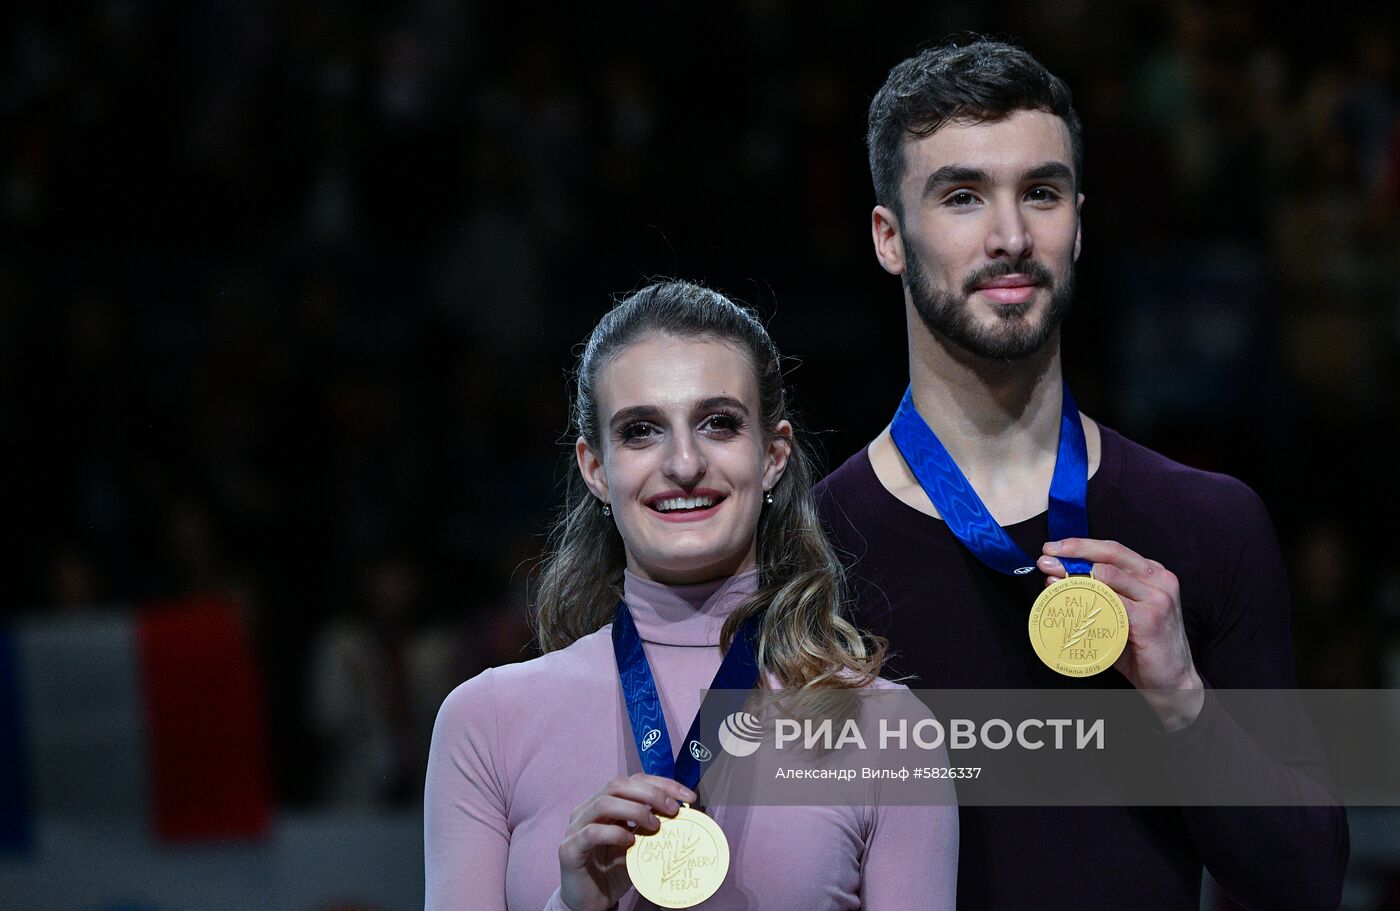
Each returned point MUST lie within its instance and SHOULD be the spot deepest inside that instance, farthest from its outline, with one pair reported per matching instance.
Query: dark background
(289, 291)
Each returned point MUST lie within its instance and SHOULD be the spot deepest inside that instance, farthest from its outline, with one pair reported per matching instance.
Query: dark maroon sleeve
(1279, 857)
(1216, 535)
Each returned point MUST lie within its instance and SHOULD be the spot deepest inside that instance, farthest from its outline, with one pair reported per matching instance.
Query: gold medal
(681, 865)
(1079, 626)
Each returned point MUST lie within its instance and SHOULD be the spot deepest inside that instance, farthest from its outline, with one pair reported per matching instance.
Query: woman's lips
(688, 515)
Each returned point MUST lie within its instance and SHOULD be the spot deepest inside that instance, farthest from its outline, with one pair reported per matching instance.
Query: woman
(692, 502)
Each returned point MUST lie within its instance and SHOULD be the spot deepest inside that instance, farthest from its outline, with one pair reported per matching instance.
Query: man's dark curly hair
(979, 80)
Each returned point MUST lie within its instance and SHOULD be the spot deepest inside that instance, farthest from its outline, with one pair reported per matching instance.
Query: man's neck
(994, 417)
(999, 421)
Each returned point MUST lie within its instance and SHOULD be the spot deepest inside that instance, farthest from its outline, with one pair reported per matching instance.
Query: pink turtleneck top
(518, 748)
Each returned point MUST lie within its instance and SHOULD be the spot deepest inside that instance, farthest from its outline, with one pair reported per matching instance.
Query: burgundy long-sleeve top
(953, 623)
(519, 747)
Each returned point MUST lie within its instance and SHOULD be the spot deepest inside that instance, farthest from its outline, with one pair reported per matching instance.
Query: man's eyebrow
(952, 174)
(1051, 170)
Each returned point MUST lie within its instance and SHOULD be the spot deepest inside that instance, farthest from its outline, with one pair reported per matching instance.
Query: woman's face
(684, 461)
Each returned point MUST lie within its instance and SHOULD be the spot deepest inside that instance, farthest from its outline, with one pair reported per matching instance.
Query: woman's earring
(607, 509)
(768, 498)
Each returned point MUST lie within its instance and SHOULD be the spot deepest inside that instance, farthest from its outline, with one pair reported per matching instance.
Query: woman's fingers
(578, 845)
(660, 794)
(619, 810)
(669, 786)
(591, 855)
(637, 799)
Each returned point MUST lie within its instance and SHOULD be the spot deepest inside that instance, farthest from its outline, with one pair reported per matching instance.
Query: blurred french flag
(143, 722)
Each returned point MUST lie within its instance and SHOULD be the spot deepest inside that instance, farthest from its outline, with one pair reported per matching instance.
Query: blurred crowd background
(289, 293)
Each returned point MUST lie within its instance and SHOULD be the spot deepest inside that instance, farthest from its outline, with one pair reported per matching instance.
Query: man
(975, 155)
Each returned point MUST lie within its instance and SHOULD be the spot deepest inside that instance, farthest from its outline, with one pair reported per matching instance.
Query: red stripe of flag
(206, 726)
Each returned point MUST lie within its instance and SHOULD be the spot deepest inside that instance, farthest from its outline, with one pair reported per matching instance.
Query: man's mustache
(1001, 268)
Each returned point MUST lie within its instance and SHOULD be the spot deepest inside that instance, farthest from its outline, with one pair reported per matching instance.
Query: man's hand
(1157, 659)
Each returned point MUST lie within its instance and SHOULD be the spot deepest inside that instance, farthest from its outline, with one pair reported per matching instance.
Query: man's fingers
(1098, 551)
(1125, 560)
(1157, 585)
(1054, 570)
(1128, 586)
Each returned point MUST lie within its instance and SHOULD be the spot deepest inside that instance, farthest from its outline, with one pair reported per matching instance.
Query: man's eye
(962, 198)
(1043, 194)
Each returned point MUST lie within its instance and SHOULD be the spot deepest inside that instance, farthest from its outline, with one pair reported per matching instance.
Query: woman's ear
(590, 466)
(776, 458)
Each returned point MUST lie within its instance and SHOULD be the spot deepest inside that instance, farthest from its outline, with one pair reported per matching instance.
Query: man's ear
(1079, 230)
(889, 243)
(590, 466)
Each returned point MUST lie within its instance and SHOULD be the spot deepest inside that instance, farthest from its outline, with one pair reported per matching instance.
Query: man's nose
(1010, 234)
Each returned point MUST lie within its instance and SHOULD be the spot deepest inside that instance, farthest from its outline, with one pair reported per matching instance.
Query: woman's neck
(690, 614)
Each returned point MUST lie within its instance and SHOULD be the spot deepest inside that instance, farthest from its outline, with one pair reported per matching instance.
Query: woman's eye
(637, 431)
(721, 424)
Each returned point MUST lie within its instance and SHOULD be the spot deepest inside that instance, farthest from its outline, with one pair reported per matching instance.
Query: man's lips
(1009, 289)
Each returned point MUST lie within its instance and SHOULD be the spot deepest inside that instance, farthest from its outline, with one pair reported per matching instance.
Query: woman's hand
(593, 854)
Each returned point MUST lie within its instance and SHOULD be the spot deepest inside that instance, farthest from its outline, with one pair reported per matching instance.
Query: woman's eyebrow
(721, 401)
(642, 412)
(632, 413)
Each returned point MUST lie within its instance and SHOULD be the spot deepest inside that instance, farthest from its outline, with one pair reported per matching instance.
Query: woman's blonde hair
(805, 639)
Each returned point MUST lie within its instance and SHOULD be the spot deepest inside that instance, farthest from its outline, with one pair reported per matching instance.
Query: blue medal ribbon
(738, 671)
(964, 511)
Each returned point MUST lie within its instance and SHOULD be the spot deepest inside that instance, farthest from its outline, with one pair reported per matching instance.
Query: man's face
(991, 232)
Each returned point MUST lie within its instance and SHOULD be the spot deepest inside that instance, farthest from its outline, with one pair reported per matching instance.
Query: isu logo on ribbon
(700, 752)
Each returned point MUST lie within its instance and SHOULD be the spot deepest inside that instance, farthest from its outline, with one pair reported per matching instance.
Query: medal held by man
(1078, 626)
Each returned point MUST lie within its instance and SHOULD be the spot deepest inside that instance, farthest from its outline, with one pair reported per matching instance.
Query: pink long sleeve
(466, 837)
(466, 825)
(911, 860)
(518, 748)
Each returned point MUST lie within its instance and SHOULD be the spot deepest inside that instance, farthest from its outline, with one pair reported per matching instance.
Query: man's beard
(1013, 337)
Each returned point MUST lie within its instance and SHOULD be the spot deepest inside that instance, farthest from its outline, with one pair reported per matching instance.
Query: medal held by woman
(670, 571)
